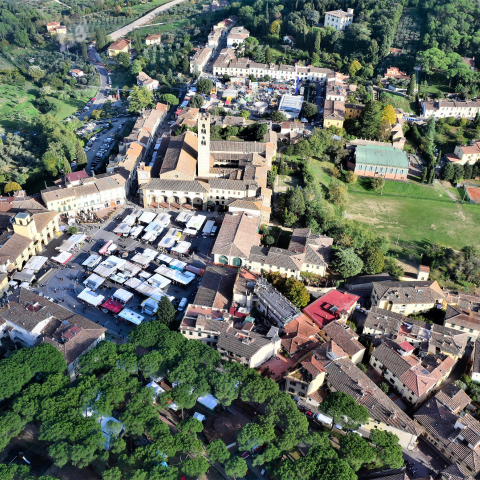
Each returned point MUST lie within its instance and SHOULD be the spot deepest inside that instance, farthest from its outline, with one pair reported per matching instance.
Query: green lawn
(289, 180)
(400, 102)
(417, 220)
(5, 64)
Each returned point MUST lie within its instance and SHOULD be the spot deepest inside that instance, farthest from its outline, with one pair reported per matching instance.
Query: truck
(207, 229)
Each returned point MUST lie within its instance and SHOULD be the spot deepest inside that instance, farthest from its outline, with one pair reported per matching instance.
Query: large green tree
(217, 451)
(371, 120)
(347, 263)
(356, 451)
(236, 467)
(166, 311)
(344, 410)
(204, 86)
(388, 447)
(373, 260)
(140, 99)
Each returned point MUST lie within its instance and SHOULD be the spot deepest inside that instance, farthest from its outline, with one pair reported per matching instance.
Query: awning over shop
(35, 263)
(63, 257)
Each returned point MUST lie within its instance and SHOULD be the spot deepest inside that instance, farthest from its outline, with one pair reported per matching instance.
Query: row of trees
(110, 385)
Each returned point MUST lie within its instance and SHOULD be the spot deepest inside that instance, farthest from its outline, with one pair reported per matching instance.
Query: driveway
(121, 32)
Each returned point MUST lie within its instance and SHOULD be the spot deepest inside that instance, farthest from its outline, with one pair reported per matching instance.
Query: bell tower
(203, 159)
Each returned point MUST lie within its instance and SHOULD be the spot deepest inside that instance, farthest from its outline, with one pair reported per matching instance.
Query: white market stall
(184, 217)
(144, 274)
(63, 257)
(167, 242)
(35, 263)
(154, 227)
(119, 278)
(177, 265)
(92, 261)
(25, 276)
(189, 231)
(122, 296)
(165, 259)
(130, 220)
(182, 278)
(130, 269)
(93, 281)
(122, 229)
(141, 260)
(133, 283)
(72, 242)
(147, 217)
(109, 266)
(91, 298)
(182, 247)
(136, 231)
(149, 306)
(196, 222)
(163, 219)
(157, 281)
(131, 316)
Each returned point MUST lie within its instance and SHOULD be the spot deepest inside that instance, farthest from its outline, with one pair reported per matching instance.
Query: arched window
(223, 259)
(237, 262)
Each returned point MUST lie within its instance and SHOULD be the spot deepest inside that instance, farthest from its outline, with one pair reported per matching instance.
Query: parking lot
(64, 283)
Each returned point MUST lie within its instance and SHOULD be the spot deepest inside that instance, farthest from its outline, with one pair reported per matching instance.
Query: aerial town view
(239, 239)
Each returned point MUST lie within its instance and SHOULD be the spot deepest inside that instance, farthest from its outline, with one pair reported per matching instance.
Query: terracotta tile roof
(455, 471)
(216, 287)
(119, 44)
(176, 185)
(344, 337)
(425, 292)
(15, 246)
(300, 333)
(52, 194)
(237, 235)
(43, 219)
(181, 155)
(453, 397)
(439, 422)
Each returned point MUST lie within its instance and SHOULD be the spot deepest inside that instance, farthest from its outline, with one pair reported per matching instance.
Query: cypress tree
(411, 85)
(318, 42)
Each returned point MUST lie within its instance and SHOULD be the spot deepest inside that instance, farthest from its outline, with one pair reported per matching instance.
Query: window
(190, 333)
(199, 334)
(293, 384)
(184, 332)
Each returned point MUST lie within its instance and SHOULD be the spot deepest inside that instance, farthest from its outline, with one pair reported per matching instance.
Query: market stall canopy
(209, 401)
(35, 263)
(91, 297)
(122, 296)
(184, 217)
(112, 306)
(24, 276)
(178, 264)
(157, 281)
(93, 281)
(181, 247)
(131, 316)
(147, 217)
(63, 257)
(68, 245)
(92, 261)
(122, 229)
(133, 283)
(130, 269)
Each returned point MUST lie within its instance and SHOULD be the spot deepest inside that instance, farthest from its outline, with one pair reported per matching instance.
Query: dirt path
(452, 197)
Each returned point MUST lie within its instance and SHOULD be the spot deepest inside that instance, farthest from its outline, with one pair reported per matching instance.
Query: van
(182, 304)
(214, 230)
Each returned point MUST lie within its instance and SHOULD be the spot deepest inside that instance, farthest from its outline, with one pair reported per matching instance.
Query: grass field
(400, 102)
(16, 105)
(419, 213)
(5, 64)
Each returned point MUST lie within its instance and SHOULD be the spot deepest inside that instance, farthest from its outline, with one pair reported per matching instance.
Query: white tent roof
(151, 303)
(178, 264)
(63, 257)
(141, 259)
(185, 278)
(136, 231)
(130, 269)
(157, 281)
(209, 401)
(122, 228)
(184, 217)
(131, 316)
(181, 247)
(144, 274)
(158, 389)
(196, 222)
(147, 217)
(35, 263)
(133, 283)
(122, 295)
(118, 278)
(91, 297)
(167, 242)
(129, 220)
(92, 261)
(148, 252)
(163, 219)
(93, 281)
(165, 258)
(24, 276)
(198, 416)
(154, 227)
(68, 245)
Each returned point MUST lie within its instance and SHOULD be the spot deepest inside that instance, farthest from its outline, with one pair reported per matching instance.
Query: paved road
(121, 32)
(101, 96)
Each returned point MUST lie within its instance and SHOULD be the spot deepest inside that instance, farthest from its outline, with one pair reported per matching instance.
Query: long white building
(227, 63)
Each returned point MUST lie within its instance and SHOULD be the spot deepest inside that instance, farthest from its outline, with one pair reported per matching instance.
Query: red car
(309, 413)
(94, 98)
(245, 455)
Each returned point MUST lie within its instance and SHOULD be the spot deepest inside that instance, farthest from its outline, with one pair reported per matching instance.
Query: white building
(143, 80)
(237, 36)
(228, 63)
(445, 108)
(338, 19)
(200, 60)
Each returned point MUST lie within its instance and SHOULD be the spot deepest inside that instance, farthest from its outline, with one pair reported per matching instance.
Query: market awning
(122, 296)
(63, 257)
(35, 263)
(93, 281)
(91, 297)
(131, 316)
(24, 276)
(112, 306)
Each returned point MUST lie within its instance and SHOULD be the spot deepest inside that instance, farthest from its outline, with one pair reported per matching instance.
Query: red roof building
(334, 305)
(406, 347)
